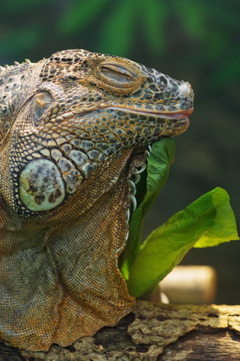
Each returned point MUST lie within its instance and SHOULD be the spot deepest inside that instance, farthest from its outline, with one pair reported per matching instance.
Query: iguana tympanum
(74, 130)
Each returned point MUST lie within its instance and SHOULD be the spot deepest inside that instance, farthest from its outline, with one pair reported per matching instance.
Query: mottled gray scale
(154, 88)
(138, 129)
(87, 145)
(76, 142)
(185, 106)
(56, 154)
(98, 139)
(156, 130)
(148, 107)
(78, 157)
(102, 157)
(158, 96)
(93, 154)
(160, 108)
(172, 108)
(146, 131)
(83, 135)
(70, 136)
(166, 94)
(64, 165)
(66, 148)
(87, 169)
(92, 135)
(163, 80)
(73, 180)
(103, 146)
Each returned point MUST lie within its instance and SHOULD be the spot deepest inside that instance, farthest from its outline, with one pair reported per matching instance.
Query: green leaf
(224, 227)
(166, 246)
(162, 156)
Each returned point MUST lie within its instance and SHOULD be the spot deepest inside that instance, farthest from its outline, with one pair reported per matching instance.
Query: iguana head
(84, 110)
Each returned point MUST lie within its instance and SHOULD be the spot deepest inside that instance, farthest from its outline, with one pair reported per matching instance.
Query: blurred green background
(197, 41)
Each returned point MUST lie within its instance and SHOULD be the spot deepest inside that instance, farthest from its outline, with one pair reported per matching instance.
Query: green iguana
(74, 130)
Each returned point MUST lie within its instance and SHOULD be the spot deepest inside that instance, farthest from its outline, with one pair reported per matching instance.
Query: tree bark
(154, 332)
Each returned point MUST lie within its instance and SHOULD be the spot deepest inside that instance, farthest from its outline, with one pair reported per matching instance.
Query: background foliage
(196, 41)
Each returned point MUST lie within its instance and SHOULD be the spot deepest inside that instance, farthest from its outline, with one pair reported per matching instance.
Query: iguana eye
(40, 103)
(117, 75)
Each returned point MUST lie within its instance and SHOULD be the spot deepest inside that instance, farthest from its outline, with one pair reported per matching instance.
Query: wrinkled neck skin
(75, 253)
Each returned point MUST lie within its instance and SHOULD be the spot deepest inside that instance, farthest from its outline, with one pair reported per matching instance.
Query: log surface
(154, 332)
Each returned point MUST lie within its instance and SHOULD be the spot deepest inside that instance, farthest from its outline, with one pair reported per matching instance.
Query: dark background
(197, 41)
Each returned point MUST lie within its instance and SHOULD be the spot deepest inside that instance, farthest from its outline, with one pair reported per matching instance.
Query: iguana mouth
(180, 114)
(180, 117)
(175, 115)
(160, 116)
(179, 120)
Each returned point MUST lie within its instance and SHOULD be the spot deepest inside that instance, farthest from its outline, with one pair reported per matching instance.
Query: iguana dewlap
(73, 130)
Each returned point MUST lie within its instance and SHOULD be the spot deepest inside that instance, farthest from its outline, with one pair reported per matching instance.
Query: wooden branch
(154, 332)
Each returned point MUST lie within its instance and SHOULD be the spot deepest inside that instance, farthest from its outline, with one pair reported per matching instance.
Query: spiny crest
(17, 66)
(11, 80)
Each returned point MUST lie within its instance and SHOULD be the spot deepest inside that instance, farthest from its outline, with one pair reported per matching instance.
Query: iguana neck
(52, 251)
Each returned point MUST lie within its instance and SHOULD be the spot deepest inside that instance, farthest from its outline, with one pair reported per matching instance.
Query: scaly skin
(73, 130)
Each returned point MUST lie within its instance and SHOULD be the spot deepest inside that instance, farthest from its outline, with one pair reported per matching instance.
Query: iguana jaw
(180, 117)
(172, 122)
(160, 115)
